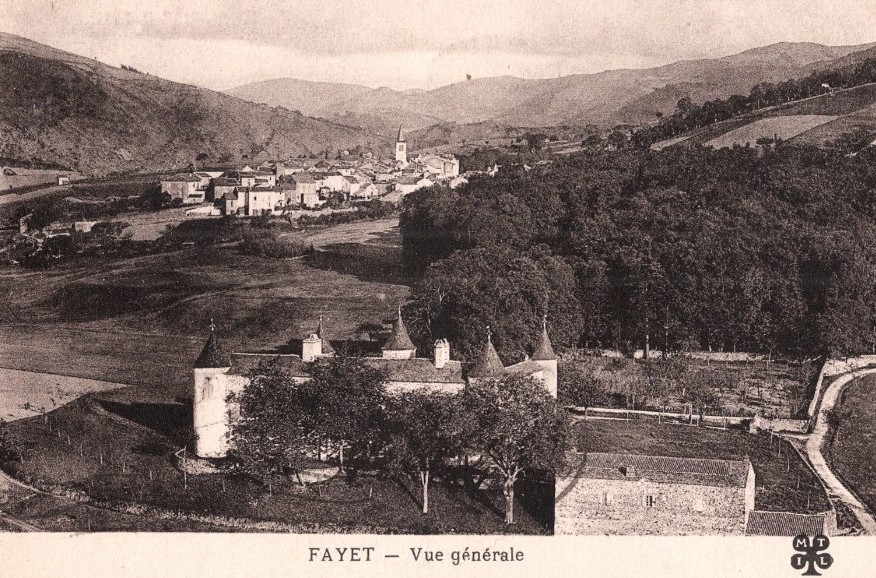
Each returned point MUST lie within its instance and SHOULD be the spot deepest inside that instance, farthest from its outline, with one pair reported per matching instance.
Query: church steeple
(401, 134)
(489, 364)
(399, 344)
(212, 355)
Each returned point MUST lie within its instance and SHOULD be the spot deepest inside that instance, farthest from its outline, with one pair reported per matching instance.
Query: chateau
(216, 374)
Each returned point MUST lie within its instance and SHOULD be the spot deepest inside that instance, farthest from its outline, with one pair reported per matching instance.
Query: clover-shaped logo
(811, 554)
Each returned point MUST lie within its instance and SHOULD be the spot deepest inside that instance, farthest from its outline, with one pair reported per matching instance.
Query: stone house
(633, 494)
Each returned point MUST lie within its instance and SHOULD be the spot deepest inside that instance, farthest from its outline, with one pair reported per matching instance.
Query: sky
(407, 44)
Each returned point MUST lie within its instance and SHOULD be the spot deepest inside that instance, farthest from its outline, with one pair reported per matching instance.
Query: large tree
(518, 426)
(425, 431)
(276, 423)
(347, 399)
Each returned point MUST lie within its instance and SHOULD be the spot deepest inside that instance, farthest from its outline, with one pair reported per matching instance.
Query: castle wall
(597, 506)
(403, 386)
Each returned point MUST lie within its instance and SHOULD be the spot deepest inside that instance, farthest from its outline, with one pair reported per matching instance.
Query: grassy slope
(776, 487)
(852, 451)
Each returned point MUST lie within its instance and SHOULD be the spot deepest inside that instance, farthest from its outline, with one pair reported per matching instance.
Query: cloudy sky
(421, 43)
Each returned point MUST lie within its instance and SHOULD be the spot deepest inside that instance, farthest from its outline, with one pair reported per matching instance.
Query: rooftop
(784, 524)
(418, 370)
(663, 469)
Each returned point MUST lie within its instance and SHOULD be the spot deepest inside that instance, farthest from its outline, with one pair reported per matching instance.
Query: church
(217, 374)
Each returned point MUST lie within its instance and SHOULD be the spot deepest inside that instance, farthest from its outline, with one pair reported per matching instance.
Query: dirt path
(813, 450)
(7, 485)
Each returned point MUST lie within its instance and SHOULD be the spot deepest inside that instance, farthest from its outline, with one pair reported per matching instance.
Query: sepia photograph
(416, 268)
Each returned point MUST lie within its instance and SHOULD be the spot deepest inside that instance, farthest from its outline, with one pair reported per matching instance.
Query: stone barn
(612, 493)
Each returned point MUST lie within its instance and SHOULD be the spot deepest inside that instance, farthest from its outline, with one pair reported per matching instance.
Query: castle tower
(210, 414)
(401, 147)
(399, 344)
(489, 365)
(544, 356)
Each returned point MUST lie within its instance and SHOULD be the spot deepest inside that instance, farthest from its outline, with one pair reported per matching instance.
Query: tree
(425, 430)
(275, 425)
(346, 400)
(518, 426)
(579, 387)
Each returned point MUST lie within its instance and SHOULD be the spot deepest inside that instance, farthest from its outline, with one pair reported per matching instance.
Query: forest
(759, 250)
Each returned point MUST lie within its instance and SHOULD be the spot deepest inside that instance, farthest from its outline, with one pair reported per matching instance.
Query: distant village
(277, 187)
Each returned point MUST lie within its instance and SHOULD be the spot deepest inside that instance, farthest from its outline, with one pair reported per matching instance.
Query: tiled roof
(693, 471)
(489, 364)
(181, 178)
(224, 182)
(303, 178)
(212, 355)
(243, 363)
(527, 367)
(784, 524)
(543, 350)
(399, 340)
(327, 348)
(418, 370)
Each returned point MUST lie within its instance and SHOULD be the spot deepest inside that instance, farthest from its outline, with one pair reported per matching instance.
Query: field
(24, 394)
(142, 320)
(30, 177)
(785, 127)
(784, 481)
(852, 448)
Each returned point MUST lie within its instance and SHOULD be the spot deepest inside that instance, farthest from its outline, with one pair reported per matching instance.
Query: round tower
(544, 356)
(210, 411)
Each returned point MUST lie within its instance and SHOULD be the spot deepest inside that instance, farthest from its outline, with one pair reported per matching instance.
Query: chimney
(442, 353)
(311, 348)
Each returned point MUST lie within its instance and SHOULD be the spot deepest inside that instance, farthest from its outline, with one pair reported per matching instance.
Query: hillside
(605, 98)
(301, 95)
(819, 120)
(57, 107)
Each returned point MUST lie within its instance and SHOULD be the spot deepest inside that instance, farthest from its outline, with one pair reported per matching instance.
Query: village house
(216, 375)
(184, 186)
(410, 183)
(633, 494)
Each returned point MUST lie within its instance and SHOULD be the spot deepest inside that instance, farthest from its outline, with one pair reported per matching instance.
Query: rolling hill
(604, 99)
(64, 109)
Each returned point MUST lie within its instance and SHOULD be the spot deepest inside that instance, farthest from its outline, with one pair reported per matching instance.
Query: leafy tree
(425, 430)
(518, 426)
(346, 400)
(579, 387)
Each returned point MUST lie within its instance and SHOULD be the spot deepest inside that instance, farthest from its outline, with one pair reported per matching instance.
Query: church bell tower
(401, 147)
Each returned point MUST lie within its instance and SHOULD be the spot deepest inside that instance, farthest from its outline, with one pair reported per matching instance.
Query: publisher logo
(811, 554)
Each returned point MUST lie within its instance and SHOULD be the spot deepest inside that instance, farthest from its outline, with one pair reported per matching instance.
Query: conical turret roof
(489, 364)
(401, 135)
(544, 351)
(399, 340)
(212, 354)
(327, 348)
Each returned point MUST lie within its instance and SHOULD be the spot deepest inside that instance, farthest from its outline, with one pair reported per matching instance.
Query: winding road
(816, 442)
